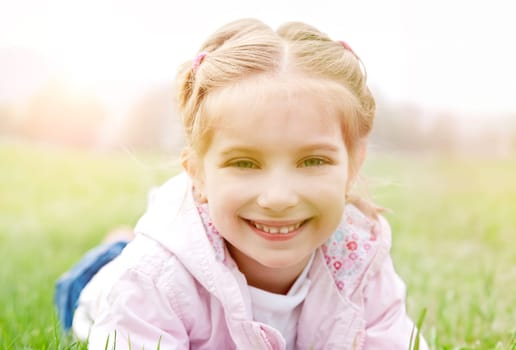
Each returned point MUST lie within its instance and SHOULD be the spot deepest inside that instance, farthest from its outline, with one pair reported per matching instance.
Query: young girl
(259, 244)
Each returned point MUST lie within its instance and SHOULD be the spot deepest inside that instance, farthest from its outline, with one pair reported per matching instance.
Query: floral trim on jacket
(348, 251)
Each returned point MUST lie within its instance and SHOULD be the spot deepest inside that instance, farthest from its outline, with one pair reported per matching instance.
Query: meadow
(453, 221)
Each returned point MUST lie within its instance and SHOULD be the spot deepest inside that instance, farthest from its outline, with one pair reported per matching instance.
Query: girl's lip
(277, 236)
(277, 223)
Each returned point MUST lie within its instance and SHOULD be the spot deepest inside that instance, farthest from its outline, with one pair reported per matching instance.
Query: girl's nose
(278, 196)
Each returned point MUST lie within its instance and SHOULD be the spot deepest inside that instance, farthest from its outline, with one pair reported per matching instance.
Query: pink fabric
(172, 285)
(198, 60)
(346, 46)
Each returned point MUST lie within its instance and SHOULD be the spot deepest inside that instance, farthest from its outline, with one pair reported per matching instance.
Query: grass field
(454, 225)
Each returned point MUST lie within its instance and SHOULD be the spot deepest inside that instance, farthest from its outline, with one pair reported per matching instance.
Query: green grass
(54, 205)
(454, 223)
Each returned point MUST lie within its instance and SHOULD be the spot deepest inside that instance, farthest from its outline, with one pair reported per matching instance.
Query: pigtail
(319, 55)
(184, 84)
(366, 206)
(234, 52)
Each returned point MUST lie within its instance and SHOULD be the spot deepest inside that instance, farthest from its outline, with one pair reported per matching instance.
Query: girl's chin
(285, 263)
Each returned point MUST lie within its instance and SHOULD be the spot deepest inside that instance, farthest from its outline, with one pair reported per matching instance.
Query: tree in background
(154, 123)
(60, 114)
(399, 128)
(6, 119)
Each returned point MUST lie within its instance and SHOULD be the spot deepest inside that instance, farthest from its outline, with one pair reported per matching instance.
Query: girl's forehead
(276, 117)
(268, 104)
(275, 122)
(266, 93)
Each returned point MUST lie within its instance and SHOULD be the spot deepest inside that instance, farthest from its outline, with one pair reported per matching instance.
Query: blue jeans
(70, 285)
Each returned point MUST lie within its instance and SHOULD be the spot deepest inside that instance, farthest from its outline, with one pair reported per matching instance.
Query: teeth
(276, 229)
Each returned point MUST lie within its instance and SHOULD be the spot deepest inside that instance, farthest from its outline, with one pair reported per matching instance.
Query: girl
(259, 243)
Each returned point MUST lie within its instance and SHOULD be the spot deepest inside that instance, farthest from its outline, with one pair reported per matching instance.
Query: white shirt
(282, 311)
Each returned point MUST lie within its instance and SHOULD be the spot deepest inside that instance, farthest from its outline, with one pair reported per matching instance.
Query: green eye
(310, 162)
(244, 164)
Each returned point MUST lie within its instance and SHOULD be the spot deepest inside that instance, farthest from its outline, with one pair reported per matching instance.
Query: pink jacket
(176, 285)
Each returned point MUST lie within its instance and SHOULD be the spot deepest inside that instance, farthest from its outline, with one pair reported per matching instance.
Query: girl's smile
(274, 175)
(276, 230)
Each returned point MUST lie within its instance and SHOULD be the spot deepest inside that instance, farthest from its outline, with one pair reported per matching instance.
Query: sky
(445, 55)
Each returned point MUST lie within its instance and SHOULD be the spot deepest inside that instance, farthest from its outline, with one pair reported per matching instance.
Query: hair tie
(198, 60)
(347, 47)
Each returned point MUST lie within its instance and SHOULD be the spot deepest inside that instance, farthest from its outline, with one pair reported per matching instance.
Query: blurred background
(99, 74)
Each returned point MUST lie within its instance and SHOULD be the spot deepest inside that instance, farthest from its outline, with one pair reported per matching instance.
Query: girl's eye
(244, 164)
(310, 162)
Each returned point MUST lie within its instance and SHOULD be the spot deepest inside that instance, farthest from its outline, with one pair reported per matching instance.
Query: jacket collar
(175, 221)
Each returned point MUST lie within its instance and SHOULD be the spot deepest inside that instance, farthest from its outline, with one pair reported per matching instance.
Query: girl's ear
(193, 167)
(358, 161)
(186, 160)
(361, 153)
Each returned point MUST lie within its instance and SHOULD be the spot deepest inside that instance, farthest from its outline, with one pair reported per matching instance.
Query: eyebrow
(238, 149)
(321, 146)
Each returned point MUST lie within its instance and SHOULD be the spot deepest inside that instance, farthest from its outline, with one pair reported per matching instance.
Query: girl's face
(275, 176)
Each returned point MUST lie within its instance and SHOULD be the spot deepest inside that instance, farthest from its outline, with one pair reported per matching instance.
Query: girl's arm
(387, 323)
(135, 314)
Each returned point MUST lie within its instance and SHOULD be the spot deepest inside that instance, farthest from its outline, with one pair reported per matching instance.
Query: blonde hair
(248, 47)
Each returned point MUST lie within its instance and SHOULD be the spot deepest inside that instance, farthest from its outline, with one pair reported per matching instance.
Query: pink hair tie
(198, 60)
(347, 47)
